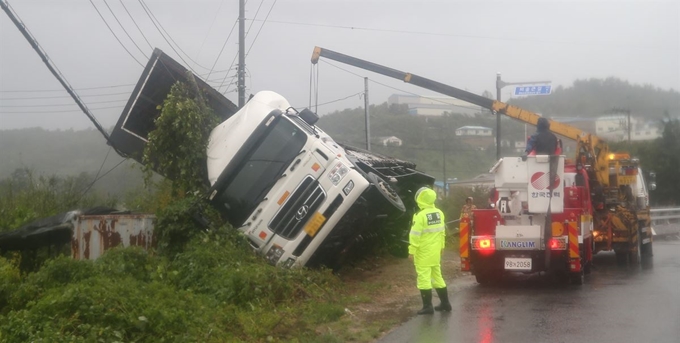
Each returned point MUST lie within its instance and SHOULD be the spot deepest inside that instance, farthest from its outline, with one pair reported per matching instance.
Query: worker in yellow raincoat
(426, 245)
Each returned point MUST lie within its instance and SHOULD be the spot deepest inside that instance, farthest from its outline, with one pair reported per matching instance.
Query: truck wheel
(387, 191)
(647, 255)
(646, 251)
(577, 277)
(621, 258)
(587, 264)
(635, 256)
(485, 277)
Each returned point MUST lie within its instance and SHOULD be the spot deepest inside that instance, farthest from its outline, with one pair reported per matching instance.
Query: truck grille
(328, 213)
(301, 205)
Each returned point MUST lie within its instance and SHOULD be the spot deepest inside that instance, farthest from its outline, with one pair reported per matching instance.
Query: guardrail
(665, 222)
(665, 215)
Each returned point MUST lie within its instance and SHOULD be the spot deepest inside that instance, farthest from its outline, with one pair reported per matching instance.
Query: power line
(124, 30)
(359, 28)
(96, 176)
(52, 67)
(61, 90)
(336, 100)
(221, 50)
(59, 105)
(255, 16)
(60, 111)
(260, 30)
(209, 28)
(153, 18)
(135, 22)
(114, 34)
(63, 96)
(397, 89)
(216, 80)
(225, 77)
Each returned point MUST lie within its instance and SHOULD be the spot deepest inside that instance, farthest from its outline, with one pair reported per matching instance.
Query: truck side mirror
(652, 181)
(308, 116)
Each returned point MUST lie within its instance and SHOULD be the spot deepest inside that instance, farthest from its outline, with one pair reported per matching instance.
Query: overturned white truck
(301, 198)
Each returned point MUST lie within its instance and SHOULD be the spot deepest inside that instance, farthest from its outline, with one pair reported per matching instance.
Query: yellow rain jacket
(427, 236)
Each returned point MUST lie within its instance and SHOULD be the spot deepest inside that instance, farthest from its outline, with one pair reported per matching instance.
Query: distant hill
(595, 97)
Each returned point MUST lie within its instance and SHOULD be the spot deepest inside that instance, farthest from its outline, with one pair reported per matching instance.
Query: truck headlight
(337, 173)
(274, 254)
(289, 263)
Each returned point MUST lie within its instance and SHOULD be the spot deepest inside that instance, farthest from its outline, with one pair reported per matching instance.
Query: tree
(177, 147)
(667, 164)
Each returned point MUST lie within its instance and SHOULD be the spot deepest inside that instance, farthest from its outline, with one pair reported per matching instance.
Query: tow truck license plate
(515, 263)
(314, 224)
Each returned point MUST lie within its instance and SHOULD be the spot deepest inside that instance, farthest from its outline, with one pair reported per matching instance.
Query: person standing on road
(466, 211)
(426, 246)
(543, 142)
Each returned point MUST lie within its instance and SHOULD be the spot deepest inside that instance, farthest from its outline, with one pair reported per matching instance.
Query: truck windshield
(259, 171)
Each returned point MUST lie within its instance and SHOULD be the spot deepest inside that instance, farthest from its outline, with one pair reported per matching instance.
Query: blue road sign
(533, 90)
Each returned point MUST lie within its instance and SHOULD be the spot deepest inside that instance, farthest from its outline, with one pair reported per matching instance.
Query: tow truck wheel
(485, 277)
(588, 251)
(621, 258)
(387, 191)
(646, 251)
(577, 277)
(635, 256)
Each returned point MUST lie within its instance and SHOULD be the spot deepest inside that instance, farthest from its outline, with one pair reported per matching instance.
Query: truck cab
(287, 184)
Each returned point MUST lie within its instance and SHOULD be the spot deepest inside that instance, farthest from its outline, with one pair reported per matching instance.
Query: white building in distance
(433, 105)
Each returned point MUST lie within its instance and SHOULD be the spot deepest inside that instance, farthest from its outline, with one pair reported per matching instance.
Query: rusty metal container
(95, 234)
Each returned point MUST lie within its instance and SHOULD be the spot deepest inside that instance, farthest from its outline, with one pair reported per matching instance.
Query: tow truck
(550, 214)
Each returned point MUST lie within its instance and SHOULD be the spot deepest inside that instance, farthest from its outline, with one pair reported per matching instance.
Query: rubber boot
(444, 304)
(426, 295)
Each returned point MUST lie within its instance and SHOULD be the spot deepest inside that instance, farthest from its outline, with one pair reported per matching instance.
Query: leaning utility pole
(241, 73)
(53, 69)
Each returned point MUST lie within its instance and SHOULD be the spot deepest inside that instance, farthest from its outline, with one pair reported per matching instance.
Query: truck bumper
(366, 223)
(496, 261)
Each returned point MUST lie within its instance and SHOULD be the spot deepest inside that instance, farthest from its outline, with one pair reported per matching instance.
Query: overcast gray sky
(461, 43)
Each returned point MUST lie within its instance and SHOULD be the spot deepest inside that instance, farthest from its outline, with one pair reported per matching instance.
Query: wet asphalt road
(615, 304)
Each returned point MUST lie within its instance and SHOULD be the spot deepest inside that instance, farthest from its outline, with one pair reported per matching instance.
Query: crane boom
(592, 152)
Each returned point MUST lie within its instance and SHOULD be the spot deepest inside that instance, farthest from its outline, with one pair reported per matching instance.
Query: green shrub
(56, 273)
(118, 309)
(10, 281)
(132, 261)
